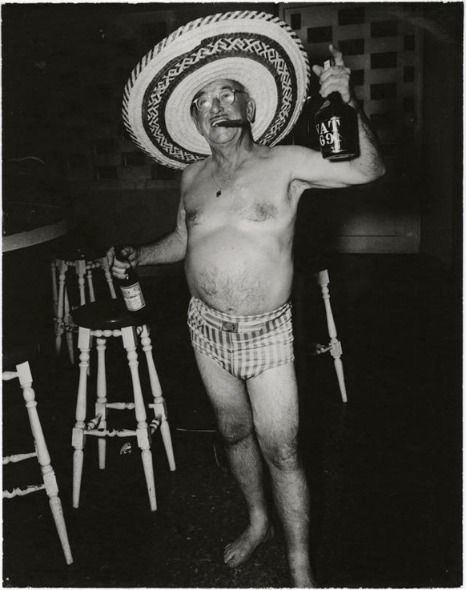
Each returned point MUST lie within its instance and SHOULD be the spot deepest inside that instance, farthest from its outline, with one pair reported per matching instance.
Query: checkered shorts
(245, 346)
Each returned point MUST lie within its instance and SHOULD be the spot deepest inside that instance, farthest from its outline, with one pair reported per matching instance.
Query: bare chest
(240, 199)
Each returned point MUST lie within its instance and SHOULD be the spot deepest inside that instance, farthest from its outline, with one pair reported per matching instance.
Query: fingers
(335, 78)
(119, 267)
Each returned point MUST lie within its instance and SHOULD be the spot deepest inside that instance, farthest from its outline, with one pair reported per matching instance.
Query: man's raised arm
(368, 166)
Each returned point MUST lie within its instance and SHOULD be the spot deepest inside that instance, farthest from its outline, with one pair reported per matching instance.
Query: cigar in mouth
(231, 123)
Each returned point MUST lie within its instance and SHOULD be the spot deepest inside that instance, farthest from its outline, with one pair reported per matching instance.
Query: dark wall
(443, 124)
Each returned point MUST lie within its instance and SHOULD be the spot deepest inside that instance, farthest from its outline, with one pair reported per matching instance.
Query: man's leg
(234, 419)
(274, 400)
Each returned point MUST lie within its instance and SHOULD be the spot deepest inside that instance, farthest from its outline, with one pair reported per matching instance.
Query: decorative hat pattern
(255, 49)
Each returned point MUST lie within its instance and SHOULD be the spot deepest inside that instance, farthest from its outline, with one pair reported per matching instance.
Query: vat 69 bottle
(337, 127)
(130, 286)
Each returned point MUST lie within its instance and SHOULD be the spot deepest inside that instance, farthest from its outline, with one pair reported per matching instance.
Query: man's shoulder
(193, 170)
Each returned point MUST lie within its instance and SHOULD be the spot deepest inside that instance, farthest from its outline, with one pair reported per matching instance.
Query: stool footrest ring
(112, 433)
(119, 406)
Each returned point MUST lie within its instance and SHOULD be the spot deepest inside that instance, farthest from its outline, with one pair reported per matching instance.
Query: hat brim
(256, 49)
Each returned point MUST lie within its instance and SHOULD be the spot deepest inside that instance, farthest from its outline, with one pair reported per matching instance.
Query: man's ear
(251, 110)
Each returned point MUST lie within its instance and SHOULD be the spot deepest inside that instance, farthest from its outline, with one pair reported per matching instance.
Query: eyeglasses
(225, 96)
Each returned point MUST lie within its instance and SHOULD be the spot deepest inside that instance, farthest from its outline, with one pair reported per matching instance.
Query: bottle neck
(335, 98)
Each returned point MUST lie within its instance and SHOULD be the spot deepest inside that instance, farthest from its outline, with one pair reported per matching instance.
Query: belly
(239, 273)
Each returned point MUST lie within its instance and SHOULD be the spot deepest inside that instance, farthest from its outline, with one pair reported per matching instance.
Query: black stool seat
(76, 247)
(71, 252)
(108, 315)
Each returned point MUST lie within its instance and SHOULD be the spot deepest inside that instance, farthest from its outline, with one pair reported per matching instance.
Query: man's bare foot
(242, 548)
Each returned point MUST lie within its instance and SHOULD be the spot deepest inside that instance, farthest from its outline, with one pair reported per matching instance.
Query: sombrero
(254, 48)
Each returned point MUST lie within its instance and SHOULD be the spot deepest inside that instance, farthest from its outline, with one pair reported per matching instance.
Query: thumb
(317, 70)
(337, 55)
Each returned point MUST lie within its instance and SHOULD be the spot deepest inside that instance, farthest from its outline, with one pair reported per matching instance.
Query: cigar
(232, 123)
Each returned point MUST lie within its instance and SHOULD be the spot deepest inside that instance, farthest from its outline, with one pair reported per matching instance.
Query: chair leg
(68, 324)
(80, 272)
(59, 328)
(335, 345)
(57, 513)
(53, 270)
(159, 405)
(143, 432)
(90, 284)
(100, 406)
(108, 277)
(78, 439)
(43, 458)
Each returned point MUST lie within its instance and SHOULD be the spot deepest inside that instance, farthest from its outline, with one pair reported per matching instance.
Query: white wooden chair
(334, 346)
(23, 373)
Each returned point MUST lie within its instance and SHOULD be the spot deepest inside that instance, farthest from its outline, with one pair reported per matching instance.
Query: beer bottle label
(134, 299)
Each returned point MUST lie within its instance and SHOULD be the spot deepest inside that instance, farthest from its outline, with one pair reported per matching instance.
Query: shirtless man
(234, 229)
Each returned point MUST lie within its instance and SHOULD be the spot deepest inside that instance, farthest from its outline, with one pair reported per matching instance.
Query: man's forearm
(170, 248)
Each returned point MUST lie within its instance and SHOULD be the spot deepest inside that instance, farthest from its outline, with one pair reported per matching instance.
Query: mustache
(232, 123)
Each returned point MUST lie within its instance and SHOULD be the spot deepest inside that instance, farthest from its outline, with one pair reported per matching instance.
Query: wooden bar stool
(103, 320)
(23, 373)
(84, 260)
(334, 346)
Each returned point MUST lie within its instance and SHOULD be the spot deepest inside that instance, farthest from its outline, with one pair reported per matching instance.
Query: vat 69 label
(328, 132)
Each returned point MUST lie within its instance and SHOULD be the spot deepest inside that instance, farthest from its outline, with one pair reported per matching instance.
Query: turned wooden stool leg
(143, 433)
(100, 406)
(78, 439)
(68, 325)
(59, 328)
(159, 405)
(335, 345)
(43, 457)
(108, 277)
(80, 272)
(53, 270)
(90, 283)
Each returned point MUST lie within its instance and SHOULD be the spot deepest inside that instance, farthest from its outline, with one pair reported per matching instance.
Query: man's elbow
(369, 174)
(377, 172)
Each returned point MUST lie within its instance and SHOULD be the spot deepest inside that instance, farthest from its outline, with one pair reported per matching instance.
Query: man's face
(221, 101)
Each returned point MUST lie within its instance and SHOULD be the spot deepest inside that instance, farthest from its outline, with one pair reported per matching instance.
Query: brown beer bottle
(130, 286)
(337, 127)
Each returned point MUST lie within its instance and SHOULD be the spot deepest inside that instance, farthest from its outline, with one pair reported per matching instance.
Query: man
(234, 229)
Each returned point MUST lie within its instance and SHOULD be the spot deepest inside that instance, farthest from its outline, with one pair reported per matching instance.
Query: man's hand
(118, 266)
(336, 78)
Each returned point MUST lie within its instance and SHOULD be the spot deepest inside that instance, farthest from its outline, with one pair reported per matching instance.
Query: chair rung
(321, 349)
(112, 433)
(22, 491)
(18, 458)
(119, 406)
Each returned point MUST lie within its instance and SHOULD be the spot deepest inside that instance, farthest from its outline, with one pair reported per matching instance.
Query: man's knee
(234, 431)
(281, 455)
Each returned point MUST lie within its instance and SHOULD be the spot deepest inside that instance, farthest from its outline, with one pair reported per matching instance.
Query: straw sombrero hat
(254, 48)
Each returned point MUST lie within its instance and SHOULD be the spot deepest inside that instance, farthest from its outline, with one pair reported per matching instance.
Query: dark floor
(384, 470)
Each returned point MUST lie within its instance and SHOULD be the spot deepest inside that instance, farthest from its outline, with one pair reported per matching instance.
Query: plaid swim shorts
(245, 346)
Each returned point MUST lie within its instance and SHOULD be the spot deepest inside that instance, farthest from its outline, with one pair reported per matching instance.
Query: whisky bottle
(130, 286)
(337, 127)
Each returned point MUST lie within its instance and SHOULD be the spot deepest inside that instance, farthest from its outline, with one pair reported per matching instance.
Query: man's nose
(216, 104)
